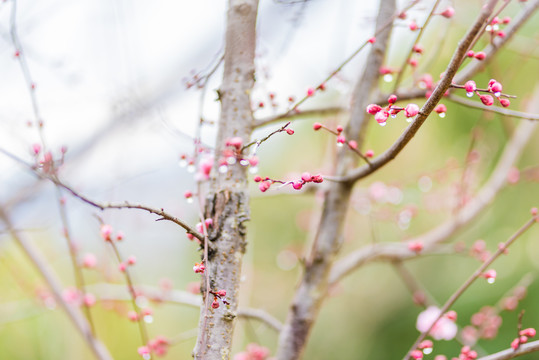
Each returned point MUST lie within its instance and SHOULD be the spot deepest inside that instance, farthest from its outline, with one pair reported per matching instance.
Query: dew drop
(427, 351)
(495, 27)
(409, 119)
(148, 319)
(488, 28)
(230, 160)
(146, 357)
(491, 280)
(383, 123)
(191, 168)
(182, 163)
(393, 116)
(223, 169)
(253, 169)
(469, 94)
(190, 200)
(244, 162)
(442, 115)
(388, 77)
(497, 94)
(339, 144)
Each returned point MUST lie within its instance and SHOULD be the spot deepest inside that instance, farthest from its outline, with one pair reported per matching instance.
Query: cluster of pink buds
(494, 27)
(381, 114)
(523, 337)
(265, 183)
(199, 268)
(218, 296)
(494, 88)
(490, 275)
(535, 213)
(159, 345)
(484, 324)
(233, 154)
(106, 233)
(466, 353)
(131, 260)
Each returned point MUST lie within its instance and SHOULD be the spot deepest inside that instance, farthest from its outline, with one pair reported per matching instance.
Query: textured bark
(314, 283)
(227, 201)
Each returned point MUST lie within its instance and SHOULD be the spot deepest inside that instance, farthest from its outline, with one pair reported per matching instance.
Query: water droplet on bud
(388, 77)
(409, 119)
(223, 169)
(191, 168)
(491, 280)
(442, 115)
(244, 162)
(497, 94)
(469, 94)
(383, 123)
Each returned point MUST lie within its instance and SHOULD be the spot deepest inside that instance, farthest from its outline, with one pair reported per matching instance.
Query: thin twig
(495, 109)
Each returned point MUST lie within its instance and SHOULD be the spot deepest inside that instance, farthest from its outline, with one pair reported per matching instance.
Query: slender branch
(456, 295)
(437, 94)
(54, 284)
(304, 114)
(511, 354)
(495, 109)
(117, 292)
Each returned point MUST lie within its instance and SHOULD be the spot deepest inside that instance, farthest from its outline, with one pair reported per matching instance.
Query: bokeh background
(111, 85)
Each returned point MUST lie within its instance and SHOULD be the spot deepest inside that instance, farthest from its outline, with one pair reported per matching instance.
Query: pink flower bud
(89, 261)
(451, 315)
(144, 351)
(188, 194)
(384, 70)
(412, 25)
(501, 34)
(264, 185)
(426, 344)
(235, 142)
(131, 260)
(371, 109)
(415, 246)
(310, 92)
(322, 86)
(290, 131)
(306, 177)
(529, 332)
(411, 110)
(534, 211)
(412, 62)
(515, 343)
(440, 108)
(257, 178)
(36, 148)
(470, 86)
(480, 56)
(208, 222)
(505, 102)
(416, 354)
(297, 185)
(369, 153)
(352, 144)
(132, 315)
(339, 129)
(486, 99)
(318, 126)
(496, 87)
(253, 160)
(341, 139)
(221, 293)
(190, 236)
(506, 20)
(122, 266)
(381, 117)
(392, 99)
(418, 49)
(215, 303)
(448, 13)
(470, 53)
(317, 179)
(372, 40)
(106, 231)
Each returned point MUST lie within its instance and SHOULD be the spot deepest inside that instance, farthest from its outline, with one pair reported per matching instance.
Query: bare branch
(304, 114)
(55, 285)
(496, 109)
(511, 354)
(118, 292)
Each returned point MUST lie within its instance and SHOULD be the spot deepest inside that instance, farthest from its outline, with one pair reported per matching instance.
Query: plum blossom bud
(448, 13)
(306, 177)
(470, 53)
(199, 268)
(369, 153)
(470, 86)
(416, 354)
(236, 142)
(310, 92)
(372, 40)
(264, 185)
(341, 139)
(480, 56)
(317, 179)
(89, 261)
(215, 303)
(486, 99)
(529, 332)
(412, 26)
(381, 117)
(221, 293)
(352, 144)
(415, 246)
(297, 185)
(371, 109)
(411, 110)
(36, 148)
(318, 126)
(392, 99)
(106, 231)
(418, 49)
(290, 131)
(441, 109)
